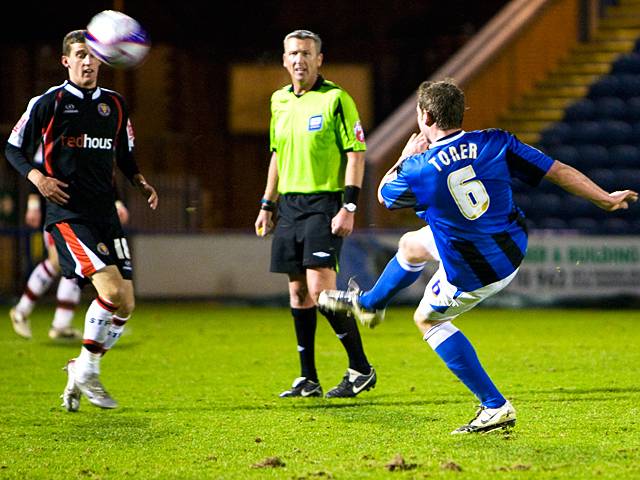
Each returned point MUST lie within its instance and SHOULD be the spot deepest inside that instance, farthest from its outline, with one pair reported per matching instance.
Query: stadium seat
(635, 132)
(523, 200)
(628, 178)
(624, 156)
(592, 156)
(614, 132)
(575, 207)
(583, 109)
(585, 132)
(605, 86)
(565, 153)
(551, 223)
(546, 205)
(628, 85)
(557, 134)
(615, 226)
(613, 108)
(605, 177)
(584, 224)
(633, 109)
(627, 63)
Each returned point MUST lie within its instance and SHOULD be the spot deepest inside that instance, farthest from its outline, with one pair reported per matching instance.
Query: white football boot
(21, 324)
(347, 301)
(71, 395)
(489, 419)
(93, 389)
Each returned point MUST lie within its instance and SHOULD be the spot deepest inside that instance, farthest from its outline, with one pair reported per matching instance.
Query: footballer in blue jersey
(459, 183)
(461, 186)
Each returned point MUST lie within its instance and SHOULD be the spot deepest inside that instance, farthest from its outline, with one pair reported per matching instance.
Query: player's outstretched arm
(147, 190)
(577, 183)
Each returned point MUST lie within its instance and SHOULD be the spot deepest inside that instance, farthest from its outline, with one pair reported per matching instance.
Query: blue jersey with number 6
(461, 186)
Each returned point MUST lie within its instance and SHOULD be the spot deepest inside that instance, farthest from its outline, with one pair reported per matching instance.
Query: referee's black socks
(347, 331)
(305, 321)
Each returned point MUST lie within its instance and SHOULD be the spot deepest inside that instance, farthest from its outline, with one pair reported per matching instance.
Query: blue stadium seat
(624, 156)
(565, 153)
(614, 132)
(633, 109)
(613, 108)
(615, 226)
(627, 63)
(628, 85)
(583, 109)
(592, 156)
(628, 178)
(556, 134)
(576, 207)
(546, 205)
(551, 223)
(605, 177)
(523, 200)
(605, 86)
(584, 224)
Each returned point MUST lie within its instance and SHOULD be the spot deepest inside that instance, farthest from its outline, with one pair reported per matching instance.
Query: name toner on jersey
(454, 153)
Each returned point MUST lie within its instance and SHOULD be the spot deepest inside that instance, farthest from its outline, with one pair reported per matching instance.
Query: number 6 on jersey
(470, 195)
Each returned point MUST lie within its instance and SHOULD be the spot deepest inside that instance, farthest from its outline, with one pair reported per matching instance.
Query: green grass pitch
(198, 385)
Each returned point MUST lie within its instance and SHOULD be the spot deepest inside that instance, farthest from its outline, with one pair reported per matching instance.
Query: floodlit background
(563, 75)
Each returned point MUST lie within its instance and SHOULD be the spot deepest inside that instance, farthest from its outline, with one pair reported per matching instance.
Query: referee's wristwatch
(350, 207)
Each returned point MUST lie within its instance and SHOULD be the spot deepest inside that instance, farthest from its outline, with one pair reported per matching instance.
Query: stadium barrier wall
(558, 268)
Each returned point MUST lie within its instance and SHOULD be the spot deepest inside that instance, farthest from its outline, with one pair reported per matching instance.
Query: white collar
(447, 139)
(79, 93)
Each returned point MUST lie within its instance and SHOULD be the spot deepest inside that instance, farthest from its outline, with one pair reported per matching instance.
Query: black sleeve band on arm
(351, 193)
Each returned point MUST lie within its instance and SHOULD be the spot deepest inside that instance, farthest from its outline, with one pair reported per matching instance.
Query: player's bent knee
(412, 249)
(422, 322)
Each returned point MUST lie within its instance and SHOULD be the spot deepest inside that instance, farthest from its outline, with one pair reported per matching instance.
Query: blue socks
(398, 274)
(458, 354)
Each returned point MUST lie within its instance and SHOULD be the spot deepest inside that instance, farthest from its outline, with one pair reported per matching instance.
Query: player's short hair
(444, 100)
(304, 35)
(75, 36)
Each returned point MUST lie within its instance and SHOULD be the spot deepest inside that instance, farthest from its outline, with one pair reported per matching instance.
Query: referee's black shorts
(302, 238)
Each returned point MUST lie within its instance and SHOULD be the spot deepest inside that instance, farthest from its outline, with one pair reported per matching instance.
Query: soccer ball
(117, 39)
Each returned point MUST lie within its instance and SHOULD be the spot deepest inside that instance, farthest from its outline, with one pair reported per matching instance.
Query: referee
(314, 178)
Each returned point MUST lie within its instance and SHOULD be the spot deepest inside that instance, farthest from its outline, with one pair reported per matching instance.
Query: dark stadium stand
(600, 135)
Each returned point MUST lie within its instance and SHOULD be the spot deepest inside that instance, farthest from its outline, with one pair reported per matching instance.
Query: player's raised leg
(415, 249)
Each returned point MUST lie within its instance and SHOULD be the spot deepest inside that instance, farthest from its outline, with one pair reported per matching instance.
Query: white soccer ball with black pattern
(117, 39)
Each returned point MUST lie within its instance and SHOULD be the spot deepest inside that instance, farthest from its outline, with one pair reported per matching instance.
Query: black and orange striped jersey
(77, 136)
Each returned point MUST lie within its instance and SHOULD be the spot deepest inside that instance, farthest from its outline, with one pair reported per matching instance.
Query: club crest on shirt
(102, 248)
(315, 123)
(358, 131)
(104, 109)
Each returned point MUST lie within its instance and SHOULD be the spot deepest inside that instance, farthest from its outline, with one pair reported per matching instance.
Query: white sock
(97, 322)
(39, 282)
(96, 326)
(115, 331)
(68, 297)
(87, 363)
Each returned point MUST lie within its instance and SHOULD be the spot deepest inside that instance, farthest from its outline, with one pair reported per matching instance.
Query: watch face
(349, 207)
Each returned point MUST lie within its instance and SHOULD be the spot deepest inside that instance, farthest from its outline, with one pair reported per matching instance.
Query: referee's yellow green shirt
(311, 136)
